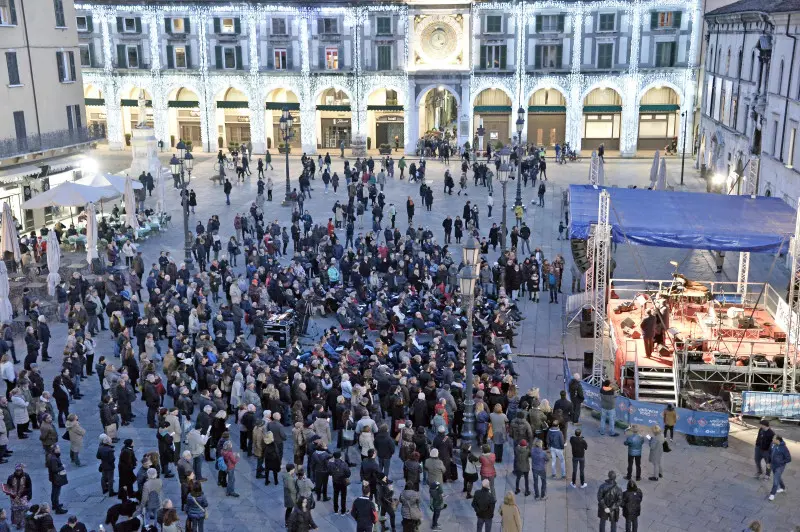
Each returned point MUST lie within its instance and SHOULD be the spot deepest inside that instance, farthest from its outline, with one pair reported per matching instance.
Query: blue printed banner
(781, 405)
(591, 396)
(713, 424)
(567, 375)
(644, 413)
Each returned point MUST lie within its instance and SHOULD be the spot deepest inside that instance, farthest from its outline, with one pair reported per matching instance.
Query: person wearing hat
(434, 467)
(609, 500)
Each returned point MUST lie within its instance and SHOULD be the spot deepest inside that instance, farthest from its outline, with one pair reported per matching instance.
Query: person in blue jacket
(634, 443)
(779, 457)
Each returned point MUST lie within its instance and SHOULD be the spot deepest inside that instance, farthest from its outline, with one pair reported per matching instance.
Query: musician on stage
(648, 326)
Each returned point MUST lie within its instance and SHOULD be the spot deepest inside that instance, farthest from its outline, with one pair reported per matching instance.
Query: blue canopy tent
(685, 219)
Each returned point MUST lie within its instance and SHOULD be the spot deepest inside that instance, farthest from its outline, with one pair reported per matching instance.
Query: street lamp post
(287, 134)
(685, 116)
(502, 175)
(520, 154)
(467, 281)
(182, 168)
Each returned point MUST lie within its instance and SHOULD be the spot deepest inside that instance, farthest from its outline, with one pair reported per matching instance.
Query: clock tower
(440, 42)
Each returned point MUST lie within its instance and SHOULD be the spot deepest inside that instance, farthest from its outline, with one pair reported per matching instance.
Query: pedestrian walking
(779, 457)
(763, 447)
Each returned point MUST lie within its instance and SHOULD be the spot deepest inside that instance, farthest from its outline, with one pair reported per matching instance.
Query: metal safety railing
(49, 141)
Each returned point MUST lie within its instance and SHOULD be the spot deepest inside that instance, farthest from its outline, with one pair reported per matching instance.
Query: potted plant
(369, 143)
(385, 149)
(188, 145)
(466, 146)
(498, 145)
(284, 148)
(127, 139)
(172, 141)
(233, 146)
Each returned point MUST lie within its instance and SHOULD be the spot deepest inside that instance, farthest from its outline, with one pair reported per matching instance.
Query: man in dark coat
(576, 396)
(444, 444)
(105, 453)
(362, 511)
(609, 500)
(151, 399)
(127, 469)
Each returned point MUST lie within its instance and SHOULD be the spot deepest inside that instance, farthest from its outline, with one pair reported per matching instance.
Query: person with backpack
(632, 506)
(340, 477)
(364, 510)
(151, 496)
(609, 500)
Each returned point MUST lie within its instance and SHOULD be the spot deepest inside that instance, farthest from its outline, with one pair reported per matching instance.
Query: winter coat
(483, 503)
(301, 521)
(656, 448)
(522, 459)
(487, 465)
(632, 503)
(511, 520)
(634, 443)
(19, 410)
(499, 422)
(435, 469)
(555, 439)
(322, 428)
(289, 489)
(608, 398)
(409, 499)
(76, 434)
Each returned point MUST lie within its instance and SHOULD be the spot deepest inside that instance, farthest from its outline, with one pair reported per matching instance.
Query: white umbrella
(69, 194)
(654, 170)
(6, 312)
(91, 233)
(601, 173)
(53, 262)
(161, 196)
(117, 182)
(9, 234)
(661, 184)
(130, 206)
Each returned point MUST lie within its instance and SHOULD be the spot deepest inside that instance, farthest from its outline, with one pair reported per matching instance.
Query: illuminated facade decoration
(397, 72)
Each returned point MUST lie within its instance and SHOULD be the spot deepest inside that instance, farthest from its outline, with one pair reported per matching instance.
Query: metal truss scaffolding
(794, 312)
(748, 189)
(602, 242)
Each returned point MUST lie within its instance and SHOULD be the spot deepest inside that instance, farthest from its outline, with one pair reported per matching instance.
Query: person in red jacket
(231, 459)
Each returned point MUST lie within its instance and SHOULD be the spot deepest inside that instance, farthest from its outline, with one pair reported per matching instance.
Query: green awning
(659, 108)
(547, 108)
(492, 108)
(333, 108)
(393, 108)
(232, 105)
(94, 101)
(278, 106)
(183, 104)
(134, 103)
(588, 109)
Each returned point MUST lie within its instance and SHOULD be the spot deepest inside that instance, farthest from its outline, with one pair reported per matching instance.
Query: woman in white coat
(128, 251)
(9, 374)
(19, 411)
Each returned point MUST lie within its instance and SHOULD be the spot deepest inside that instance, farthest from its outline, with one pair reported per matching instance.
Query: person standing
(363, 510)
(483, 503)
(656, 443)
(576, 397)
(231, 459)
(648, 327)
(631, 507)
(540, 192)
(608, 409)
(489, 204)
(437, 504)
(555, 440)
(522, 465)
(779, 457)
(227, 188)
(579, 446)
(487, 470)
(289, 491)
(539, 469)
(411, 512)
(763, 447)
(58, 479)
(76, 434)
(196, 505)
(509, 512)
(634, 443)
(609, 499)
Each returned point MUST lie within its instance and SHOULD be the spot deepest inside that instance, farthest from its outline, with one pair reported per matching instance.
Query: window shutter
(168, 25)
(58, 7)
(270, 57)
(188, 56)
(539, 24)
(119, 24)
(187, 27)
(12, 10)
(170, 58)
(19, 125)
(89, 25)
(218, 56)
(503, 57)
(239, 63)
(60, 63)
(122, 60)
(483, 57)
(289, 61)
(559, 56)
(237, 26)
(320, 26)
(217, 26)
(561, 23)
(340, 57)
(322, 58)
(78, 123)
(673, 52)
(140, 55)
(138, 23)
(653, 20)
(72, 76)
(537, 56)
(69, 118)
(92, 61)
(676, 19)
(13, 71)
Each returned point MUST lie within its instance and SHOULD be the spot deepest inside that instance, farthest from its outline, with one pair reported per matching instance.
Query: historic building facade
(750, 107)
(588, 72)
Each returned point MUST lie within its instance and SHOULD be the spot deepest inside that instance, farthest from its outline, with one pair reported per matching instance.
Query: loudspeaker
(588, 360)
(586, 313)
(587, 329)
(579, 255)
(627, 322)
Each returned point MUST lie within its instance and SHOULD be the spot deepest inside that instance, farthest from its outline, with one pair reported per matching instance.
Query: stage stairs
(657, 385)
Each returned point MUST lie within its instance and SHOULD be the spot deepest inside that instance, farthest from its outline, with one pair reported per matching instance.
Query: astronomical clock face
(438, 40)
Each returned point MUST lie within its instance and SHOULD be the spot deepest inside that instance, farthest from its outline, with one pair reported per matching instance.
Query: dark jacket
(384, 444)
(579, 446)
(483, 503)
(105, 453)
(362, 513)
(632, 503)
(609, 496)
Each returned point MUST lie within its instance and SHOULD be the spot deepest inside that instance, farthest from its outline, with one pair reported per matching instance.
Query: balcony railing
(48, 141)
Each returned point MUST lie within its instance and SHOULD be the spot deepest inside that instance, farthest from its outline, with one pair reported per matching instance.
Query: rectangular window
(280, 59)
(665, 54)
(228, 25)
(607, 22)
(329, 25)
(550, 23)
(81, 24)
(790, 155)
(86, 55)
(13, 69)
(177, 25)
(549, 56)
(495, 57)
(19, 126)
(229, 57)
(279, 26)
(331, 58)
(494, 24)
(66, 66)
(70, 118)
(132, 56)
(7, 14)
(180, 57)
(129, 25)
(605, 55)
(734, 112)
(58, 7)
(665, 19)
(384, 57)
(384, 25)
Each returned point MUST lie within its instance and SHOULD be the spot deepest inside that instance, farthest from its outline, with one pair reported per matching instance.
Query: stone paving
(703, 488)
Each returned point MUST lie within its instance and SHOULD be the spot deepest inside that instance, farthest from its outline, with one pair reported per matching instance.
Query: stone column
(116, 140)
(573, 133)
(258, 137)
(629, 130)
